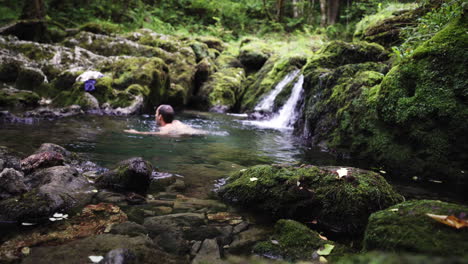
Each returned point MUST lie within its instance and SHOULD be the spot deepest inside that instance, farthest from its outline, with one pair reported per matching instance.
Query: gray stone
(11, 183)
(129, 229)
(208, 253)
(241, 227)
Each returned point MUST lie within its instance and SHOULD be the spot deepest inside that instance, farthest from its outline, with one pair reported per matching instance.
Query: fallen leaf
(323, 260)
(96, 259)
(326, 250)
(323, 237)
(342, 172)
(394, 210)
(450, 220)
(275, 242)
(253, 179)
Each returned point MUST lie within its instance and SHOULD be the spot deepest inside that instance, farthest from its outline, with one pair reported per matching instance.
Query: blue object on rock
(89, 85)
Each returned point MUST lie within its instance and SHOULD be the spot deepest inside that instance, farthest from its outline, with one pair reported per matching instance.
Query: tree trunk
(333, 9)
(279, 10)
(323, 12)
(33, 9)
(295, 9)
(265, 8)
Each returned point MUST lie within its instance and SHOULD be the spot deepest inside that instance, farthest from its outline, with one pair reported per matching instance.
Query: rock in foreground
(312, 193)
(406, 227)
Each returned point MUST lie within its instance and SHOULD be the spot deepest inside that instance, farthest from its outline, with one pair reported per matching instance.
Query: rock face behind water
(312, 193)
(132, 175)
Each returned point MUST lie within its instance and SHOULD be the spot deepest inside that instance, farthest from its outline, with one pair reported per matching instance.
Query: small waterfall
(266, 103)
(287, 115)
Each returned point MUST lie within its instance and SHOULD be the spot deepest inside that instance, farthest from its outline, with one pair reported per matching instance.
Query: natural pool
(231, 145)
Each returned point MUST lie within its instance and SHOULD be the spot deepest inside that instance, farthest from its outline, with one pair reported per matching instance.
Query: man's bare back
(169, 127)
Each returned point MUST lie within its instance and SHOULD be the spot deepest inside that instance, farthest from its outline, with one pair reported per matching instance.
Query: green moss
(374, 20)
(100, 27)
(376, 257)
(9, 69)
(406, 227)
(224, 88)
(311, 192)
(13, 98)
(294, 241)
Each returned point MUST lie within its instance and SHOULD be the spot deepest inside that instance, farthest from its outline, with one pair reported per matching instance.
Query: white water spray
(267, 102)
(287, 115)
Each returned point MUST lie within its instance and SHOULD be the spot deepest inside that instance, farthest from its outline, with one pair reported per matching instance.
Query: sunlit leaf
(326, 250)
(450, 220)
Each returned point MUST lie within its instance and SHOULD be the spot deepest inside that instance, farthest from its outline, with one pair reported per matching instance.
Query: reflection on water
(229, 146)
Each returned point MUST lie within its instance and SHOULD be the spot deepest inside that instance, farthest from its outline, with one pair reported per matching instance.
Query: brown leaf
(450, 220)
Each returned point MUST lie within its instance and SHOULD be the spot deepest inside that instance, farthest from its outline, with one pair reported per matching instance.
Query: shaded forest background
(228, 19)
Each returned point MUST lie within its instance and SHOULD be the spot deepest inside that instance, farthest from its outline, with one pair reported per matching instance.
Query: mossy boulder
(253, 55)
(18, 98)
(337, 53)
(223, 90)
(212, 42)
(100, 28)
(423, 101)
(309, 192)
(405, 227)
(377, 257)
(294, 241)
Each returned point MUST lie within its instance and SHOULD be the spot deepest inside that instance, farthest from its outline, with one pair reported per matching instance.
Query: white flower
(96, 259)
(342, 172)
(253, 179)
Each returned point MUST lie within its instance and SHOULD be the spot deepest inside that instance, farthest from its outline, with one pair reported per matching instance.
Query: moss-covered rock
(15, 98)
(223, 90)
(254, 55)
(406, 227)
(423, 100)
(377, 257)
(100, 28)
(294, 241)
(310, 192)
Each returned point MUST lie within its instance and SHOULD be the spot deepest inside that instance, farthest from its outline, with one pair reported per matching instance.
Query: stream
(232, 144)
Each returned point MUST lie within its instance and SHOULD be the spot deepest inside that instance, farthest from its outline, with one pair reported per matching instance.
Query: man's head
(164, 114)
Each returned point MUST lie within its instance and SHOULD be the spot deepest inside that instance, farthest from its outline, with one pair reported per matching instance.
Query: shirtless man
(168, 126)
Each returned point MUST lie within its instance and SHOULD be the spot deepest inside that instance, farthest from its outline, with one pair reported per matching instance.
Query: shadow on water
(231, 145)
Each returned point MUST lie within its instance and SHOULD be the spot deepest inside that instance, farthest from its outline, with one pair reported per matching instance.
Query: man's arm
(133, 131)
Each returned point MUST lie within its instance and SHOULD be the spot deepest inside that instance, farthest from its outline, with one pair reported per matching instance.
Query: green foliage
(427, 26)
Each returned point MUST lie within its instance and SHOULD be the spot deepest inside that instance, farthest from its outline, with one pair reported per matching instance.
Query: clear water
(231, 145)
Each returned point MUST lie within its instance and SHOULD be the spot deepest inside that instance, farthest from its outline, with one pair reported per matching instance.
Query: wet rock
(340, 205)
(11, 183)
(169, 231)
(225, 217)
(9, 159)
(208, 253)
(41, 160)
(226, 235)
(253, 59)
(54, 113)
(195, 248)
(93, 220)
(11, 97)
(141, 246)
(241, 227)
(132, 175)
(184, 204)
(406, 227)
(128, 229)
(202, 232)
(104, 196)
(50, 147)
(30, 78)
(378, 257)
(53, 189)
(294, 241)
(244, 241)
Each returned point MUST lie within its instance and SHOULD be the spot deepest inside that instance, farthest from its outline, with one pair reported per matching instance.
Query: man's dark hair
(167, 113)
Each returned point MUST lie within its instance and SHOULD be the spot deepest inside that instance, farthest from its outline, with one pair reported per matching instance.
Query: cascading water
(266, 104)
(287, 115)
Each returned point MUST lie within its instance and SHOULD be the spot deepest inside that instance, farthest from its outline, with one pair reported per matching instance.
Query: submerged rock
(10, 97)
(405, 227)
(377, 257)
(132, 175)
(339, 204)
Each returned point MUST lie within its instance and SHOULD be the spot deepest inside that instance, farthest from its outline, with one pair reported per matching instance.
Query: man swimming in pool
(167, 125)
